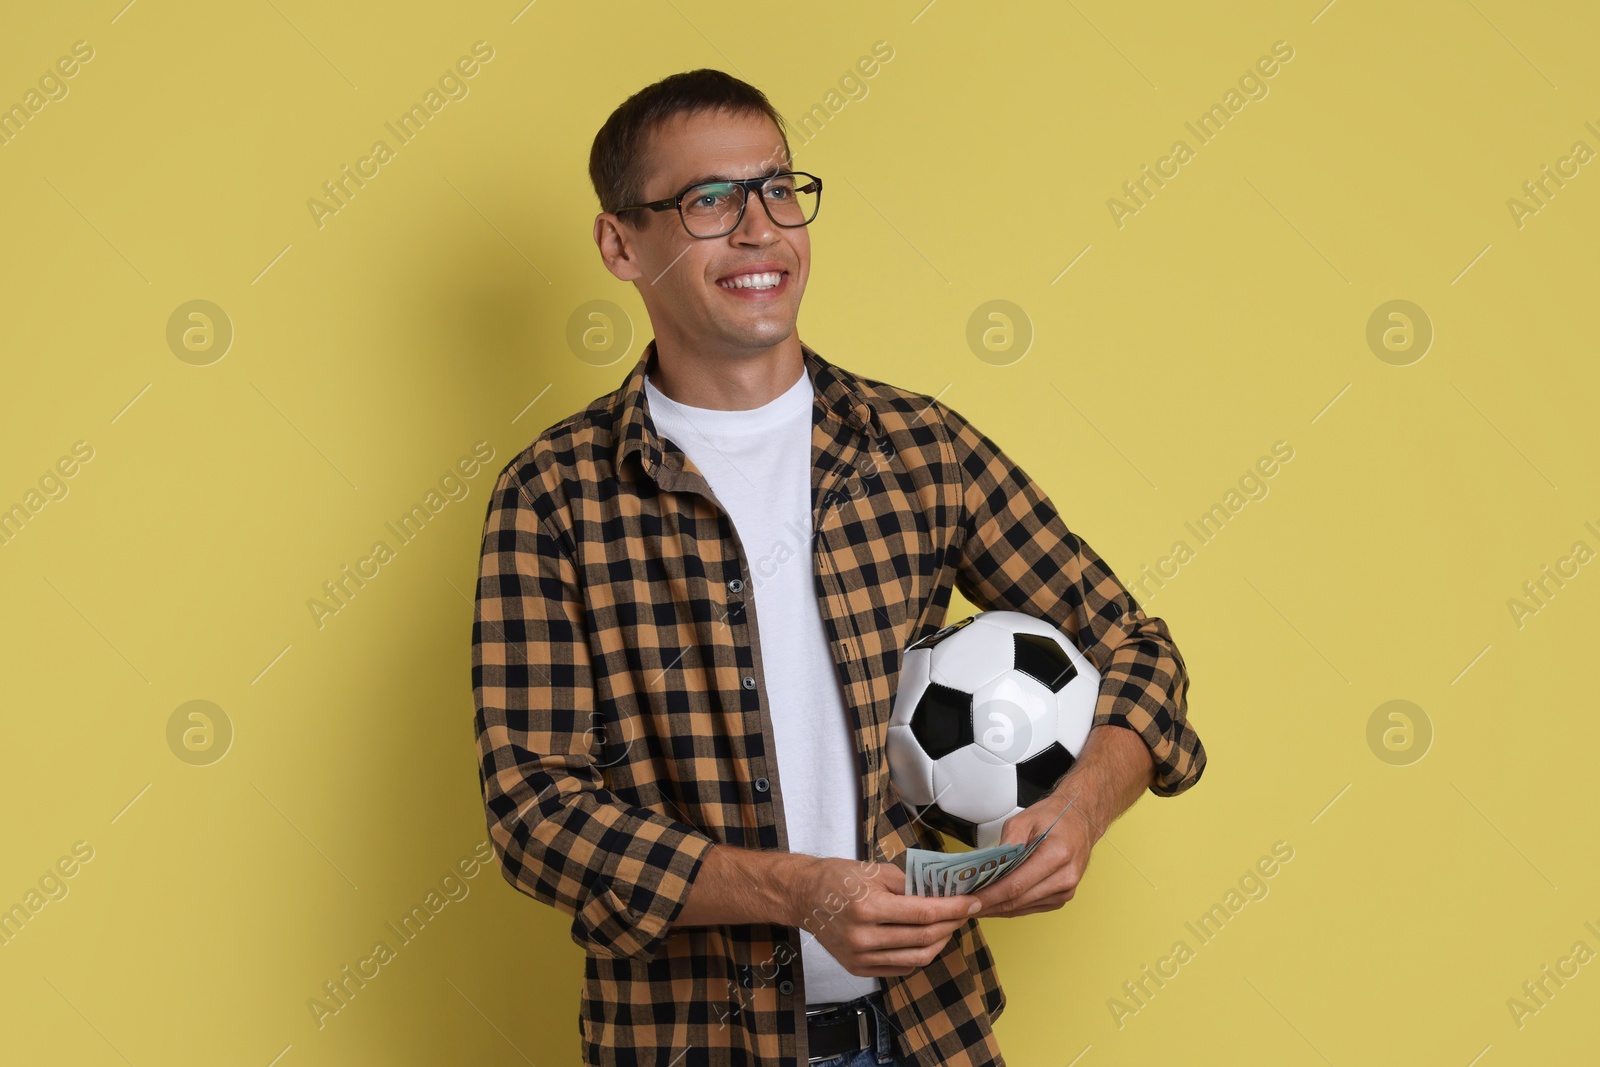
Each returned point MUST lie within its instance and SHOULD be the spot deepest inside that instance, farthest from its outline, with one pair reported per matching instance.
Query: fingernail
(976, 906)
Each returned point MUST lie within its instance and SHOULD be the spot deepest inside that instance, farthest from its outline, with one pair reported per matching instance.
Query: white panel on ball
(913, 680)
(989, 832)
(972, 657)
(912, 769)
(1032, 725)
(1075, 710)
(971, 784)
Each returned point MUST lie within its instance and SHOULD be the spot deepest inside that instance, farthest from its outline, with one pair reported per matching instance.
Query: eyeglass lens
(712, 209)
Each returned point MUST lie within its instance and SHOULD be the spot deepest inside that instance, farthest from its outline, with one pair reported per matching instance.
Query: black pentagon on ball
(948, 824)
(1039, 657)
(1037, 775)
(942, 720)
(940, 634)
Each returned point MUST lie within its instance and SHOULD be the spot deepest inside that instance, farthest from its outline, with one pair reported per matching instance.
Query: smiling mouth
(758, 281)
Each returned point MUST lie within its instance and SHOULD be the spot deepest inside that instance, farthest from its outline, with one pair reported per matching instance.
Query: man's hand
(861, 915)
(1049, 877)
(1112, 771)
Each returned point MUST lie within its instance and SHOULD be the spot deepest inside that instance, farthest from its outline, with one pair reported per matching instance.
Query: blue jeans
(882, 1056)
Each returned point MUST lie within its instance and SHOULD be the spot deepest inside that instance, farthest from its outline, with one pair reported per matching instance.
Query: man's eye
(711, 196)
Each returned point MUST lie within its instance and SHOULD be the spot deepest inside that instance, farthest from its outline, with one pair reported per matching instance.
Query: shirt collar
(836, 389)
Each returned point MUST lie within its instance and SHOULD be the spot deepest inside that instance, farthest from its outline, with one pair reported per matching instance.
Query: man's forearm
(1113, 770)
(742, 885)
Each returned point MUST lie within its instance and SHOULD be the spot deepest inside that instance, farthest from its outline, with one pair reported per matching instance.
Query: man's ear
(616, 241)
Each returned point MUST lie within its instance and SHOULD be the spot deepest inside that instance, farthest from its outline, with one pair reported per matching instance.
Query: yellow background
(432, 312)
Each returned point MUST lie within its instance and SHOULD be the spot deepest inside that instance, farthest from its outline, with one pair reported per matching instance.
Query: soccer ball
(990, 713)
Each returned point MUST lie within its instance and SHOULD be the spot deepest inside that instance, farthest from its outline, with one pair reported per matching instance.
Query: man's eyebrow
(704, 178)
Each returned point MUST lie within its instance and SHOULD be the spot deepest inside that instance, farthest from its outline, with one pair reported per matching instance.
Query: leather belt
(836, 1029)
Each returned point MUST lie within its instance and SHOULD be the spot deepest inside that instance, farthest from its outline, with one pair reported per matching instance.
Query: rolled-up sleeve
(621, 871)
(1017, 554)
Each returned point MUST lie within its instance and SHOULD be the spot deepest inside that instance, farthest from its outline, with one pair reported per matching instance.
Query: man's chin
(763, 334)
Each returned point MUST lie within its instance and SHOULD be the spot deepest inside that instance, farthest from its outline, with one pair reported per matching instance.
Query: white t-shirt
(758, 464)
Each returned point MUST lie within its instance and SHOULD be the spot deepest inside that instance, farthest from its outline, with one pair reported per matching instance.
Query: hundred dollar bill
(931, 873)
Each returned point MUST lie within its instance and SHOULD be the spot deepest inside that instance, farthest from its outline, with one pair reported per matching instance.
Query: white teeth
(753, 281)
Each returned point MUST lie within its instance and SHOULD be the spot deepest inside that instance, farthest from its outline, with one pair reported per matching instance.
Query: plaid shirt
(622, 720)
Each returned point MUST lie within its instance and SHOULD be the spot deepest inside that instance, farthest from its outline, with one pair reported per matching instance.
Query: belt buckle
(862, 1030)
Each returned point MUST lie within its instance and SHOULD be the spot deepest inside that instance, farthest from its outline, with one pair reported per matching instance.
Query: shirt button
(762, 785)
(786, 987)
(736, 585)
(749, 681)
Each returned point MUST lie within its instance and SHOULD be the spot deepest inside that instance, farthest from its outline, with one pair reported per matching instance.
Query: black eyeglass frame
(748, 185)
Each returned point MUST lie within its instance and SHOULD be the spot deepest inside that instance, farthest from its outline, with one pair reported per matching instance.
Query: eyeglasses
(713, 209)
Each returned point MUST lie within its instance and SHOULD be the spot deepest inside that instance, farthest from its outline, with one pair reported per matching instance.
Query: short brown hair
(616, 159)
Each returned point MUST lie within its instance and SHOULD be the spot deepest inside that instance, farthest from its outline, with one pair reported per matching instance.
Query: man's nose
(756, 226)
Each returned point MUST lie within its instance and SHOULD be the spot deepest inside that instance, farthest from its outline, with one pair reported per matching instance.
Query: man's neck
(725, 383)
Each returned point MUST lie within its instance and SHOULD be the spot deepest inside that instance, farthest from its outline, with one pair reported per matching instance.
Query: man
(710, 801)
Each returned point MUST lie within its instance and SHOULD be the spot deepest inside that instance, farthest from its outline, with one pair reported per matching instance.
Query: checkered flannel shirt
(622, 717)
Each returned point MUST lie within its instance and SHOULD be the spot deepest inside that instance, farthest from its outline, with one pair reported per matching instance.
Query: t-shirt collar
(837, 390)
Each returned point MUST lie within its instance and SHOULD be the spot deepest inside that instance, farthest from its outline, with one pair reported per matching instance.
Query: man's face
(681, 278)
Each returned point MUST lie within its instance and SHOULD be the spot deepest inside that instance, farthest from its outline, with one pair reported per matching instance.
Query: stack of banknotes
(945, 874)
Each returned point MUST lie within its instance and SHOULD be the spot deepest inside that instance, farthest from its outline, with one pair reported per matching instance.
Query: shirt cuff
(634, 920)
